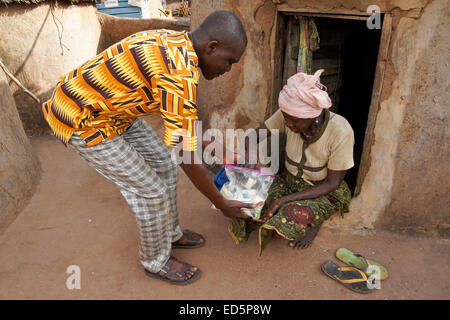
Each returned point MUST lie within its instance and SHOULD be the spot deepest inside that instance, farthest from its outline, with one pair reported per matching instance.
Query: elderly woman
(317, 152)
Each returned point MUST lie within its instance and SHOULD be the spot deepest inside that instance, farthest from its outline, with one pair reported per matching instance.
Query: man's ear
(212, 47)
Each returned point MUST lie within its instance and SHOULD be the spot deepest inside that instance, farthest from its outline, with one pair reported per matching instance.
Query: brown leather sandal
(194, 240)
(174, 277)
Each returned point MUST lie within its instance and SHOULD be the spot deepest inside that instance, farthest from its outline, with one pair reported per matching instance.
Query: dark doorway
(348, 52)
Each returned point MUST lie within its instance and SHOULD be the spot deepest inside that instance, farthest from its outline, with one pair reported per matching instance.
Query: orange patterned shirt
(148, 72)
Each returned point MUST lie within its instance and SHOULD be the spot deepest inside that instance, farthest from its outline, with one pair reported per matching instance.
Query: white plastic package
(248, 186)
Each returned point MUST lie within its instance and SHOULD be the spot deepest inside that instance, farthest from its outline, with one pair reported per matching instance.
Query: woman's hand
(277, 204)
(273, 209)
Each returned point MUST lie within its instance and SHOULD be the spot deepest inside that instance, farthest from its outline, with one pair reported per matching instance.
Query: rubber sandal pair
(174, 277)
(192, 241)
(363, 276)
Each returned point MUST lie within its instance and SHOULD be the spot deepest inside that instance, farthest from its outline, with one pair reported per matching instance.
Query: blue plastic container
(221, 178)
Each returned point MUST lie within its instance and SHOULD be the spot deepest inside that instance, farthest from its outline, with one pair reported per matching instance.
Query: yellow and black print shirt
(148, 72)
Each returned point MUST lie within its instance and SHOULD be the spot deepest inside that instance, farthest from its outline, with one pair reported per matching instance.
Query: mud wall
(54, 39)
(419, 196)
(19, 167)
(114, 29)
(406, 178)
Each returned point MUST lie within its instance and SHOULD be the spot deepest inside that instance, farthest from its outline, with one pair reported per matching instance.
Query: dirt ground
(77, 217)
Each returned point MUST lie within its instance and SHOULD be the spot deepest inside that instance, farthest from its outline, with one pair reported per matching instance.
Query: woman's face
(296, 125)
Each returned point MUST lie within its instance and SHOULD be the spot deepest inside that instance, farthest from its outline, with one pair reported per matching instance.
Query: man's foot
(307, 240)
(189, 240)
(176, 272)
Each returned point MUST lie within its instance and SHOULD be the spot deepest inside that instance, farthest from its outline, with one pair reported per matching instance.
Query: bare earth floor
(77, 217)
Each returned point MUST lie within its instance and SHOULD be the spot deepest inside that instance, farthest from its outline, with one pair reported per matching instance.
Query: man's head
(219, 42)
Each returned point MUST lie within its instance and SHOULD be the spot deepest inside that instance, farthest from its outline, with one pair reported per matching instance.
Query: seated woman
(318, 151)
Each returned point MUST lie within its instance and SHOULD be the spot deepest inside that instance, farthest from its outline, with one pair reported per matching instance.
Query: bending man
(97, 110)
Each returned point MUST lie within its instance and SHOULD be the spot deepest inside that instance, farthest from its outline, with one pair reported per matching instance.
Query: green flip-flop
(369, 267)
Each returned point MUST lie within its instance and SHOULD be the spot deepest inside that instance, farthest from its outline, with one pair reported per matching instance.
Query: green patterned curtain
(309, 42)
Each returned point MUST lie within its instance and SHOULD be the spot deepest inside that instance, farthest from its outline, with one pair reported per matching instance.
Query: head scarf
(302, 96)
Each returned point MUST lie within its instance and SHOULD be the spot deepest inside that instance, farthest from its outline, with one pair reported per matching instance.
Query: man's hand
(232, 209)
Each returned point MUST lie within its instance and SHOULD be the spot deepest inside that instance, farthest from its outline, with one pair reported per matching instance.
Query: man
(96, 109)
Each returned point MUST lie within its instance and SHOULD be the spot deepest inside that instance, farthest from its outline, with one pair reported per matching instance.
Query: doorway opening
(348, 51)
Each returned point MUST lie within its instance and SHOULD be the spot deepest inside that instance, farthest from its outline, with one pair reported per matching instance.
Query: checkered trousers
(140, 164)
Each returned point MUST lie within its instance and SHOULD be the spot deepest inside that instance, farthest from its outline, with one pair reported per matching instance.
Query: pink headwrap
(302, 98)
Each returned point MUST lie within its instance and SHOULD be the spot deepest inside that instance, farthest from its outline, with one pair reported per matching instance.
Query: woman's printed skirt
(293, 218)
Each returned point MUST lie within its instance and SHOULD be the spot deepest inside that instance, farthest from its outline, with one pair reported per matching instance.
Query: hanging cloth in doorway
(309, 42)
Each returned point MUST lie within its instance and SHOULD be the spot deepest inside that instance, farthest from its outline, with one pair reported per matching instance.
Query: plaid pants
(141, 165)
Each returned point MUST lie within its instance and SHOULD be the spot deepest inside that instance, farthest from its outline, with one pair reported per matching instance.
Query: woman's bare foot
(307, 240)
